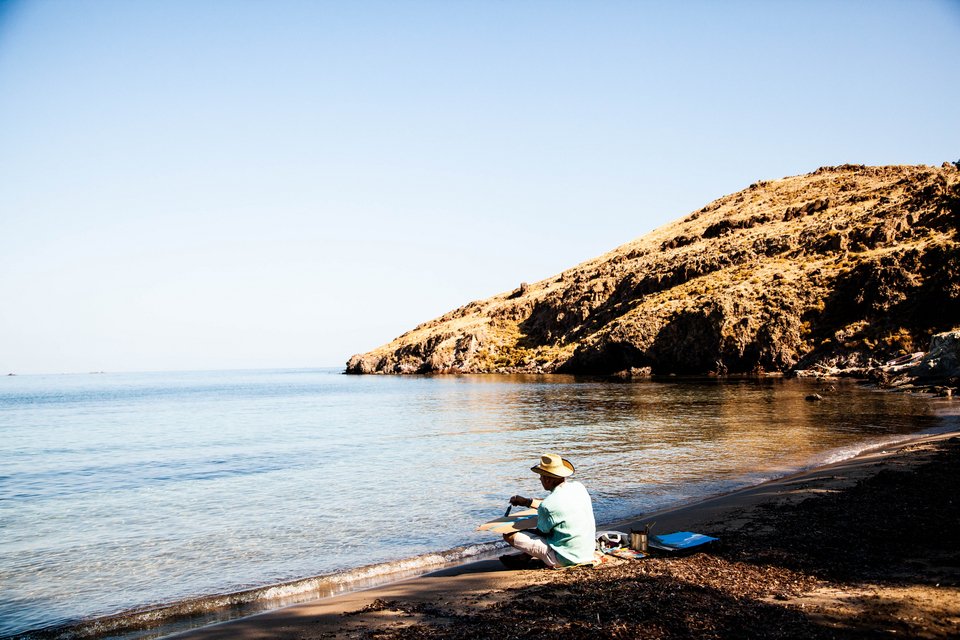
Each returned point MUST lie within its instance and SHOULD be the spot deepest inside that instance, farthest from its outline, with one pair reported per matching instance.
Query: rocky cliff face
(844, 267)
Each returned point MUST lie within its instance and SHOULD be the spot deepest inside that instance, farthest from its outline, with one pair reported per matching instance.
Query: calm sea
(124, 491)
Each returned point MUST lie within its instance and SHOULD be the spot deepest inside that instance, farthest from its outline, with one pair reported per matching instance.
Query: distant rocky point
(844, 269)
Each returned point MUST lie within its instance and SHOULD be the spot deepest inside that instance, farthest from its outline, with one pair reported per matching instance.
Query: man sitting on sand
(565, 533)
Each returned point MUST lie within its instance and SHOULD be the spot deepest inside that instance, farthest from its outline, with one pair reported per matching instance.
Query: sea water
(121, 492)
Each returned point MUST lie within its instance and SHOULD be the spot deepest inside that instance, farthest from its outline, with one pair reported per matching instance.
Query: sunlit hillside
(847, 265)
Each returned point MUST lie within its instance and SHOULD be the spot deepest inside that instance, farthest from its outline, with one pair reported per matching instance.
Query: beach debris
(942, 360)
(903, 362)
(814, 397)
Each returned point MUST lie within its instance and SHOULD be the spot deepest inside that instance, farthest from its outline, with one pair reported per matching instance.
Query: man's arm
(520, 501)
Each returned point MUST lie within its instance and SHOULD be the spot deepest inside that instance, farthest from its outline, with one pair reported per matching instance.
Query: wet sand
(868, 547)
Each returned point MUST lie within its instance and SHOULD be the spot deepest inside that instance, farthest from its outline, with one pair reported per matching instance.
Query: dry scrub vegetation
(846, 266)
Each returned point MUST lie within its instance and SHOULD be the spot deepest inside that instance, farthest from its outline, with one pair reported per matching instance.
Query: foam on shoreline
(949, 422)
(159, 621)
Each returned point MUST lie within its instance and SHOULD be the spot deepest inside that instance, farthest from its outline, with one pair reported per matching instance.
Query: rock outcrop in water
(846, 267)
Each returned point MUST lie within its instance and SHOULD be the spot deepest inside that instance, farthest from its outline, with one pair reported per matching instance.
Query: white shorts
(534, 544)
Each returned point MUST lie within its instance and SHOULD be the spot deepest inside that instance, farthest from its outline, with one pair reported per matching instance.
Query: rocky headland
(848, 269)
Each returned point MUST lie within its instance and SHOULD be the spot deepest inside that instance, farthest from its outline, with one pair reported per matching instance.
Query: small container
(639, 540)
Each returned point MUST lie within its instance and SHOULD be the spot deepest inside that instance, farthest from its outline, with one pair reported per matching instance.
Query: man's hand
(520, 501)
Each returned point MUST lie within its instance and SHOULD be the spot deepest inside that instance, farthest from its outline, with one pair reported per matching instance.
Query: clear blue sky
(232, 184)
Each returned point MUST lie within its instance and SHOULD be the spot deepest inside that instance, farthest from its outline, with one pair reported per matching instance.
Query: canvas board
(526, 519)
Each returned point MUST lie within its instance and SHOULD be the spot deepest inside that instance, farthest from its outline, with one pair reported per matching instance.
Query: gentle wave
(194, 612)
(847, 453)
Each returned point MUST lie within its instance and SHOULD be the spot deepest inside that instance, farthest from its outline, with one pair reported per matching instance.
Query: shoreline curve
(198, 617)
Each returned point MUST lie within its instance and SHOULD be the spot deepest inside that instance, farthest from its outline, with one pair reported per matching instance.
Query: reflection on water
(640, 446)
(118, 491)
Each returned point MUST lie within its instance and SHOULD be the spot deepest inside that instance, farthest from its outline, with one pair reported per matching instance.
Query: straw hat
(553, 465)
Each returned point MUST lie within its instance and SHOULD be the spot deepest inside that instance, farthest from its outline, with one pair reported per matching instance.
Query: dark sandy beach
(869, 547)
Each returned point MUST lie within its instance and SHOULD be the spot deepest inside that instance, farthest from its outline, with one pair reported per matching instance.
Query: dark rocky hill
(845, 267)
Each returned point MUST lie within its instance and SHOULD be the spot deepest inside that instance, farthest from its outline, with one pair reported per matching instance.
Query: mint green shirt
(565, 518)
